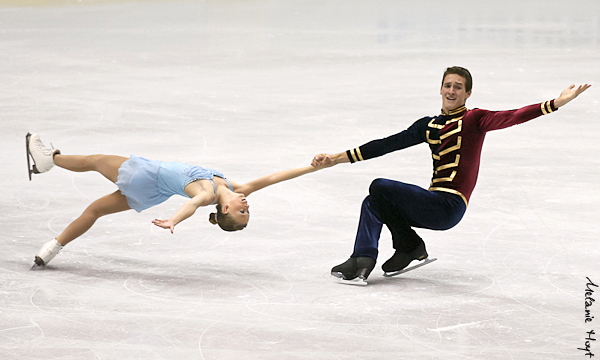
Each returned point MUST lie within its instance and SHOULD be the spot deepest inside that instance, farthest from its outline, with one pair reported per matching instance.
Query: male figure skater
(455, 138)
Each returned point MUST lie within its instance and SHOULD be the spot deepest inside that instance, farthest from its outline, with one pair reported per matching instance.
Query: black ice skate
(354, 271)
(398, 263)
(42, 156)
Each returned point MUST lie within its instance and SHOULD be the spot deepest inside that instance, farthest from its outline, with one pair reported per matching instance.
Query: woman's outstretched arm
(279, 176)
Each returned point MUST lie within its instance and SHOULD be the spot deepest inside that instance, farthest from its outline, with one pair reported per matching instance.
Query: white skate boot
(43, 158)
(47, 252)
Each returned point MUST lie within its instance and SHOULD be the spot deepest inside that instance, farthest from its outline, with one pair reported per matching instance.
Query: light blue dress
(146, 183)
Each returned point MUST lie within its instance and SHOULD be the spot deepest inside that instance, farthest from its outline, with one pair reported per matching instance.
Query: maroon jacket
(455, 140)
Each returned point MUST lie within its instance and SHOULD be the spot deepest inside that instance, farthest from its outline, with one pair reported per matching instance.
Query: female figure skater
(144, 183)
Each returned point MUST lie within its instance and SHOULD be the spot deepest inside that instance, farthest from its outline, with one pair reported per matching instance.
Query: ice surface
(251, 87)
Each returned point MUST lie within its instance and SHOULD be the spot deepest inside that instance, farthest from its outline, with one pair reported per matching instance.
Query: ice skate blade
(38, 261)
(338, 275)
(37, 267)
(29, 168)
(356, 281)
(422, 263)
(38, 264)
(32, 169)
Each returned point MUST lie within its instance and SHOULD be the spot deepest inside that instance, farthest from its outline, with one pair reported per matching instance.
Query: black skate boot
(354, 271)
(400, 259)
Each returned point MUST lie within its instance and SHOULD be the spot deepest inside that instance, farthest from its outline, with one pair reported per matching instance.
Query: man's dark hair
(460, 71)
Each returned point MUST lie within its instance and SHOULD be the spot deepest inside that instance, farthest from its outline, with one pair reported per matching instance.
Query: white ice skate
(47, 253)
(43, 158)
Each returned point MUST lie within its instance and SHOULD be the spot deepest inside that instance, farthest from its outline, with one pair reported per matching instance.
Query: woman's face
(239, 208)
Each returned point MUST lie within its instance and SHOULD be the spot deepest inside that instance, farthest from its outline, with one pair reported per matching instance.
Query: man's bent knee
(378, 186)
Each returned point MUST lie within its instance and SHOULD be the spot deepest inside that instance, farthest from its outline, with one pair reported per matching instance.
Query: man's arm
(415, 134)
(495, 120)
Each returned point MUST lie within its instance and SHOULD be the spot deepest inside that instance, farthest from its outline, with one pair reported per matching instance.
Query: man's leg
(403, 206)
(400, 207)
(369, 231)
(362, 261)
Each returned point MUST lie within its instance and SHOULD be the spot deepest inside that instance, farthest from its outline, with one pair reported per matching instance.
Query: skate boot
(354, 271)
(400, 259)
(48, 251)
(43, 157)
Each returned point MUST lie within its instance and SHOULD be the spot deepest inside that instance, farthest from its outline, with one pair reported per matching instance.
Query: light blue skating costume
(146, 183)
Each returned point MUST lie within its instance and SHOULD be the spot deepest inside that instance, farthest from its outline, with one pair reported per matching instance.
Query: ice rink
(251, 87)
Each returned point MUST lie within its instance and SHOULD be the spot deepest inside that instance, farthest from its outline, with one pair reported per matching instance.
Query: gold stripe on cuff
(353, 155)
(360, 157)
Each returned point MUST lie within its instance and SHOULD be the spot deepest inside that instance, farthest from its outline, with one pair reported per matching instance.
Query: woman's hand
(322, 161)
(165, 224)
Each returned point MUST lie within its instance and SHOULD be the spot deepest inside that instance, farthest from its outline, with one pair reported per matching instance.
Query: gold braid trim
(451, 191)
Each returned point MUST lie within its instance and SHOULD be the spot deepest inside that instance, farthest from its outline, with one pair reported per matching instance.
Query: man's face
(454, 94)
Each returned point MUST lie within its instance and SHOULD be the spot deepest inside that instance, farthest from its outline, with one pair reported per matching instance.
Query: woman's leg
(109, 204)
(107, 165)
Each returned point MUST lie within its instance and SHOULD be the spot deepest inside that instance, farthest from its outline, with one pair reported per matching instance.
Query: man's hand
(569, 94)
(322, 161)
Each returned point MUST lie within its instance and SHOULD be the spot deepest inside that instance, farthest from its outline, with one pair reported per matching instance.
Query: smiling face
(454, 93)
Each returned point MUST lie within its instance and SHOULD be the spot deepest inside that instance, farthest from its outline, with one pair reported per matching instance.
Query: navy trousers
(401, 207)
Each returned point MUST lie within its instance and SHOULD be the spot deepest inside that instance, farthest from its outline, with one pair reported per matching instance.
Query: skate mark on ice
(457, 326)
(201, 337)
(87, 197)
(52, 314)
(426, 345)
(56, 232)
(46, 202)
(550, 281)
(33, 325)
(508, 293)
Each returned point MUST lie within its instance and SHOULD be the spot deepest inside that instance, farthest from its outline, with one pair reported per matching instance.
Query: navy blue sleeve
(415, 134)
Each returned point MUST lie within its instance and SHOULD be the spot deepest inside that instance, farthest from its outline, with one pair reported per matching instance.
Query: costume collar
(456, 111)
